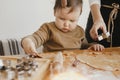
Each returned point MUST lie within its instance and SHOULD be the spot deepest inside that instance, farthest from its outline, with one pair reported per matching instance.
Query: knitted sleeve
(40, 36)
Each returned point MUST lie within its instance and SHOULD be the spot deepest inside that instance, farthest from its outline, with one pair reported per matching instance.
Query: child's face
(65, 20)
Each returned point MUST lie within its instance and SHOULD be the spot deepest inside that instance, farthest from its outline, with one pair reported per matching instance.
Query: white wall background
(19, 18)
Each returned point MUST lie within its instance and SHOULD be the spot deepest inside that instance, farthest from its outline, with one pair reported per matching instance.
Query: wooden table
(87, 71)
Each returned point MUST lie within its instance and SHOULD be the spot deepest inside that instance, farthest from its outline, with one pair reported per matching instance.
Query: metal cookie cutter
(103, 36)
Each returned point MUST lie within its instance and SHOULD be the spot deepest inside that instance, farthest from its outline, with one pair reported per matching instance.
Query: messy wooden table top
(84, 65)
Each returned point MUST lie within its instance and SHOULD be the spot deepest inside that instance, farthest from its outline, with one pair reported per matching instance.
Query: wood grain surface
(73, 61)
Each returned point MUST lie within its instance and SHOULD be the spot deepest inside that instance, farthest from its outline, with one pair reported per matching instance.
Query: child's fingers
(33, 52)
(99, 47)
(96, 47)
(30, 51)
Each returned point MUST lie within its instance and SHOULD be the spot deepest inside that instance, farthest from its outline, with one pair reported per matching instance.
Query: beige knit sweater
(54, 39)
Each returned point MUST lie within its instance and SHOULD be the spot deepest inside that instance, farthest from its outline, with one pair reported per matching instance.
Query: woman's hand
(94, 30)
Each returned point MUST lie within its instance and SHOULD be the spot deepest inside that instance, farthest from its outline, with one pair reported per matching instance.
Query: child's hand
(29, 46)
(96, 47)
